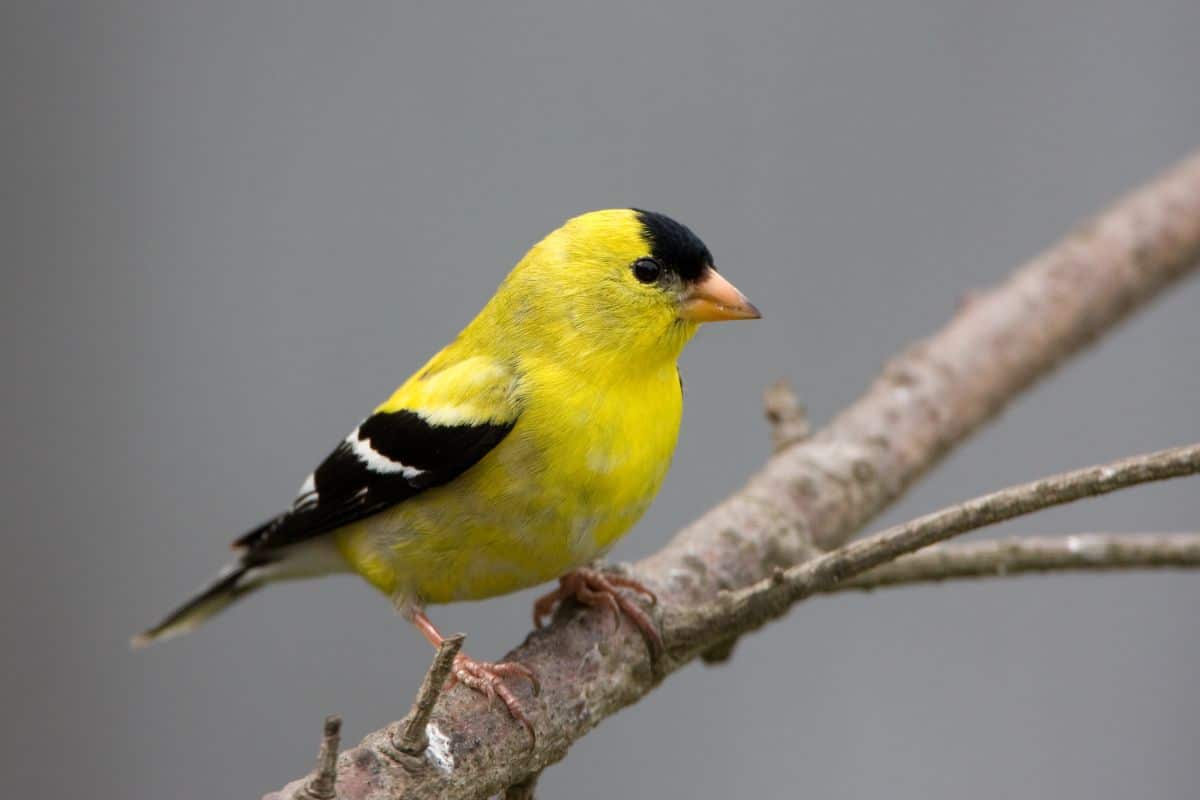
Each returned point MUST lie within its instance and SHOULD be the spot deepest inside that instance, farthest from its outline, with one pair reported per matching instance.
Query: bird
(519, 454)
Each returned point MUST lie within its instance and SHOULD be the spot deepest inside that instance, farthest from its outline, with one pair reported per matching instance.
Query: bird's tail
(233, 582)
(308, 559)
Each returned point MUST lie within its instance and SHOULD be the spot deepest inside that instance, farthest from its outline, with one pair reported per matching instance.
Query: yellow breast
(583, 463)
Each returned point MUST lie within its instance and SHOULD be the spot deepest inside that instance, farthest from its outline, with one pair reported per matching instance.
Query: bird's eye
(647, 270)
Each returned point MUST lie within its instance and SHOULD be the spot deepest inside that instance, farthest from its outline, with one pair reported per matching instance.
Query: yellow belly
(570, 479)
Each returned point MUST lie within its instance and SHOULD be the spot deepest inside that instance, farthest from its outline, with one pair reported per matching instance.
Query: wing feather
(396, 453)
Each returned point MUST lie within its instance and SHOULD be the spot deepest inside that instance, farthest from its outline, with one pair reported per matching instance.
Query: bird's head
(624, 283)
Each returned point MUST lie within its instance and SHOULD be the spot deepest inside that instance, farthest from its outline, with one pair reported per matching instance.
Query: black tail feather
(230, 585)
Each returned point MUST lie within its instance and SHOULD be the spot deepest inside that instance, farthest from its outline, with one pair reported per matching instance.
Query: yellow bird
(518, 454)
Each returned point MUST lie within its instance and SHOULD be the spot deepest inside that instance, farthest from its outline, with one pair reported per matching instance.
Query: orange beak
(714, 299)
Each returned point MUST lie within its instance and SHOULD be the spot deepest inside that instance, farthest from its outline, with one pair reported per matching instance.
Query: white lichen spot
(680, 578)
(1090, 547)
(438, 750)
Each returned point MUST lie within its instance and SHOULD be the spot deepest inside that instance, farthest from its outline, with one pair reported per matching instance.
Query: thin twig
(749, 608)
(413, 739)
(998, 558)
(322, 785)
(786, 414)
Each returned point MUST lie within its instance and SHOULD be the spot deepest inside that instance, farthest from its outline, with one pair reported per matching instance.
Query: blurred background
(230, 229)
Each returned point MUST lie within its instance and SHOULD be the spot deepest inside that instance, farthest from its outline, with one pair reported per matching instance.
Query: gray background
(231, 228)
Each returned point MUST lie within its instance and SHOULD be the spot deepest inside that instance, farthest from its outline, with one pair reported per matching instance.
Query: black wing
(390, 457)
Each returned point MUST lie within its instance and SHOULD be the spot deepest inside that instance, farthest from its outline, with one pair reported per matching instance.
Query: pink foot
(596, 589)
(488, 679)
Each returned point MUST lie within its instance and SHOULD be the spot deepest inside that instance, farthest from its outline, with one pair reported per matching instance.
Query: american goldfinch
(519, 453)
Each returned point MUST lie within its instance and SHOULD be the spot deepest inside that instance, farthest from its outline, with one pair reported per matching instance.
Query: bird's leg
(598, 589)
(483, 676)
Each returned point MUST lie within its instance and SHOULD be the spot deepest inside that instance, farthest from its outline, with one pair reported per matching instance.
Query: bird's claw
(487, 678)
(594, 588)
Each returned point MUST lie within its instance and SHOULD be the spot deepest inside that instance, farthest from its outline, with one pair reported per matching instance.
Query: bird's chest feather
(608, 450)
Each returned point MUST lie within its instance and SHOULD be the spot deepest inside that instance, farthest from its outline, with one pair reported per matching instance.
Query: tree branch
(523, 790)
(752, 607)
(1001, 558)
(814, 494)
